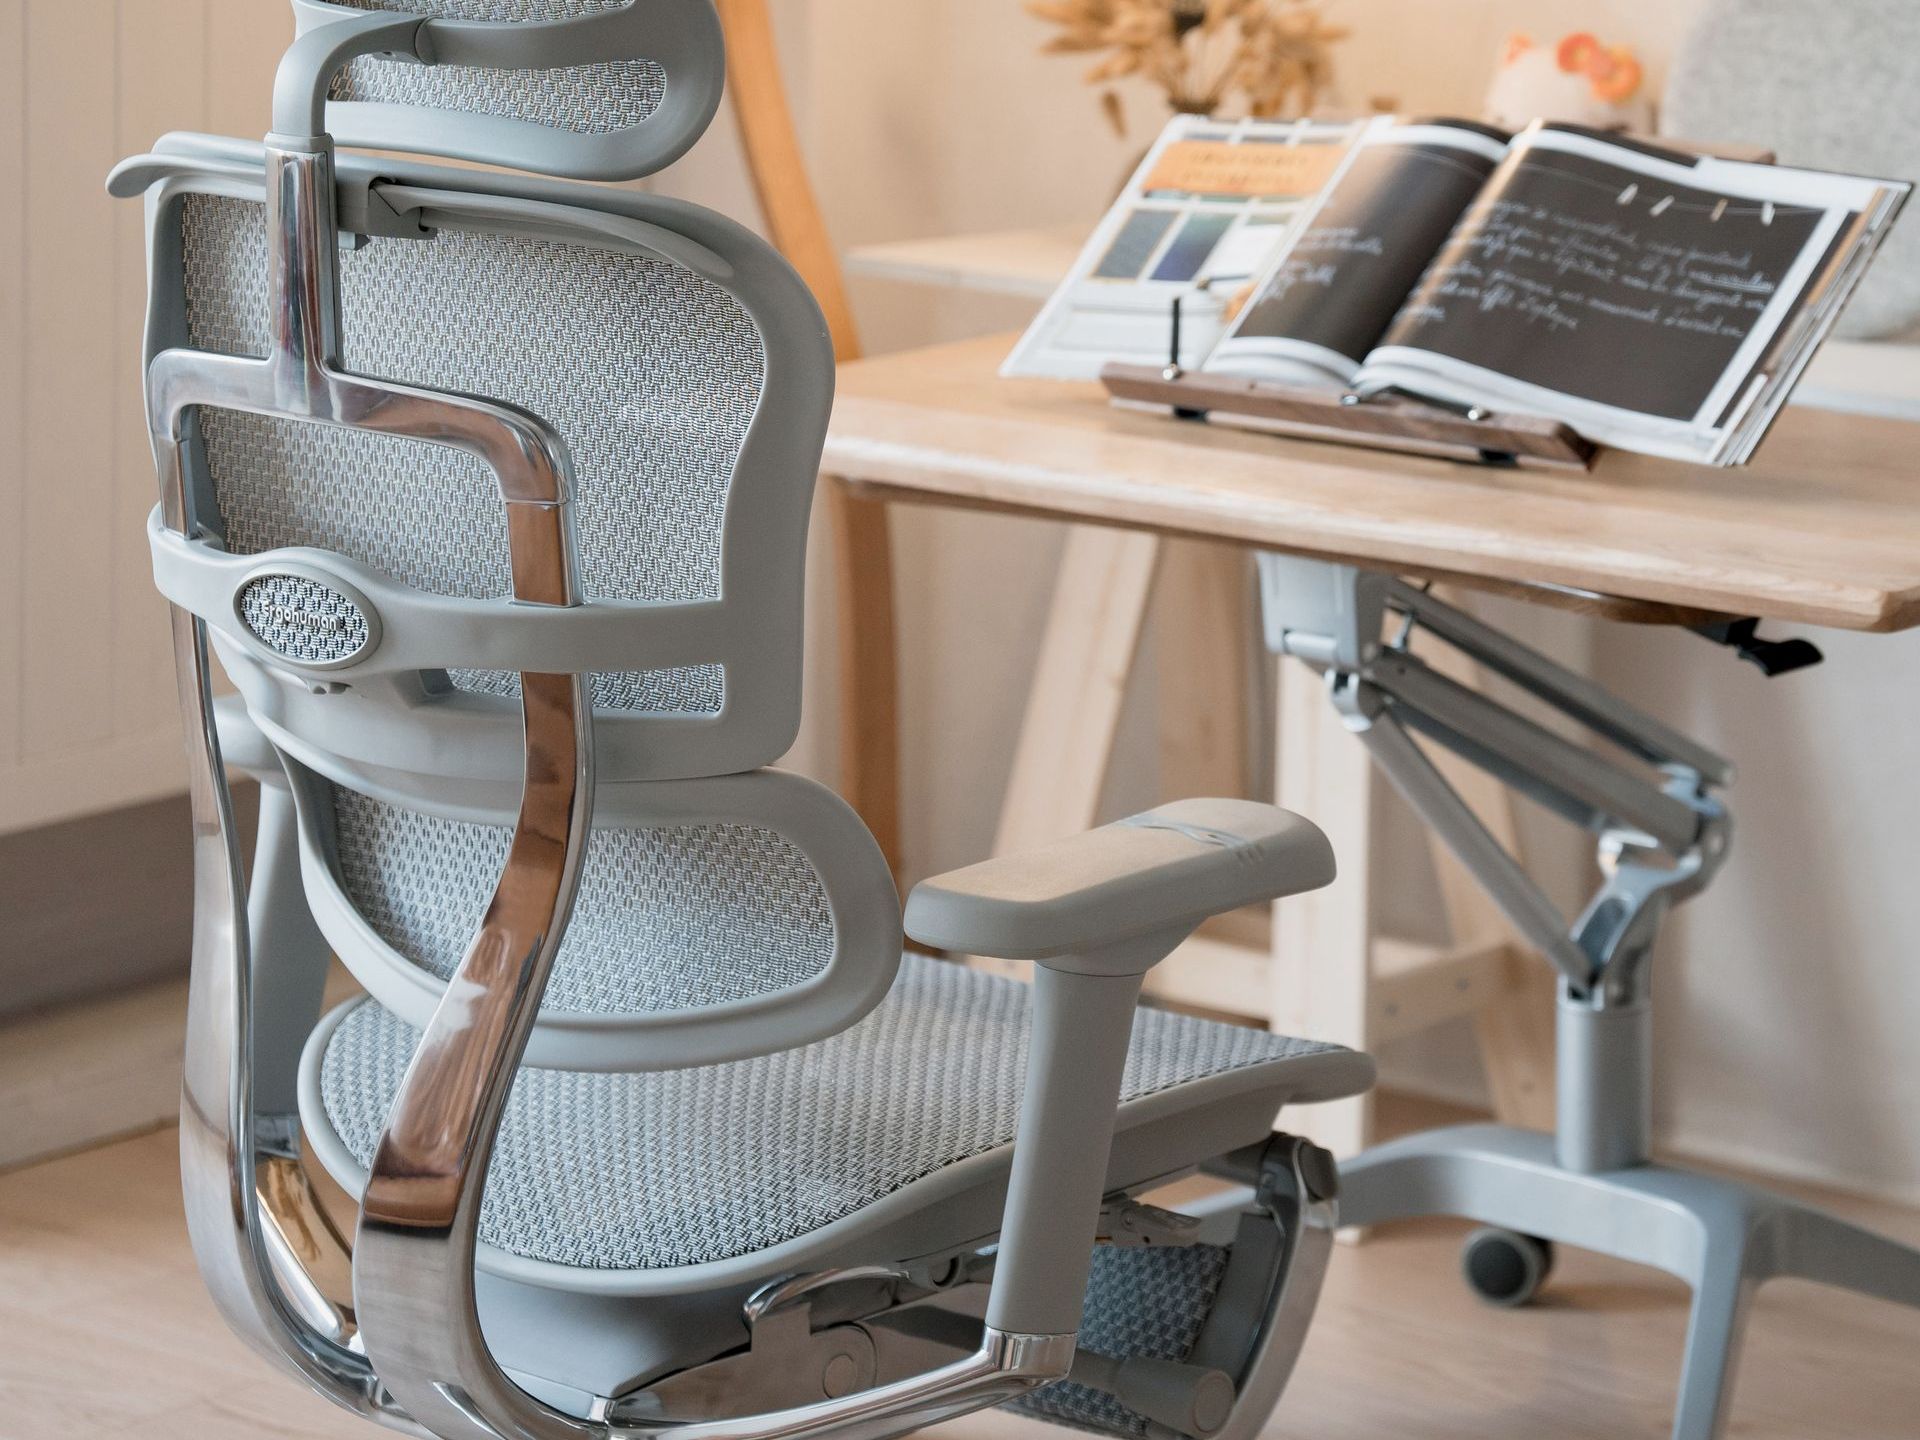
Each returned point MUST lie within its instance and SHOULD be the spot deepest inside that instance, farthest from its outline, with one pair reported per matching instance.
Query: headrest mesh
(596, 99)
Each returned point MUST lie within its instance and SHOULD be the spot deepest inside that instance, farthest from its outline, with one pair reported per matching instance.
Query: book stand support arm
(1662, 838)
(1387, 421)
(1394, 422)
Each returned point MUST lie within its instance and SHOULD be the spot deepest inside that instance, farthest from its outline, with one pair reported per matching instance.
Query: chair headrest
(585, 89)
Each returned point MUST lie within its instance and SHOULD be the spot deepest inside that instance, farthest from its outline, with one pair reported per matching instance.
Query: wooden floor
(104, 1330)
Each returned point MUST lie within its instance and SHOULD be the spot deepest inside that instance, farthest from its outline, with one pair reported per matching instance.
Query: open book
(1650, 299)
(1199, 219)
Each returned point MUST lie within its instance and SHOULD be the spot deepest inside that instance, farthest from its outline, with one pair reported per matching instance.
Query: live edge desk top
(1822, 529)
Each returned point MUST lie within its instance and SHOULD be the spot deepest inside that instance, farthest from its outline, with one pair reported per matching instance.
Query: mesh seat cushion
(647, 1172)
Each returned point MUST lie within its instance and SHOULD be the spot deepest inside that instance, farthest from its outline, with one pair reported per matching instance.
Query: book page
(1200, 217)
(1590, 277)
(1332, 293)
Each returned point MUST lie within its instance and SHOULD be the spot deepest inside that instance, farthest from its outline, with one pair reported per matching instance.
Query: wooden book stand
(1386, 422)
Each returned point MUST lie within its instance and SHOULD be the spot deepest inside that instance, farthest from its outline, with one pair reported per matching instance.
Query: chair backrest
(357, 585)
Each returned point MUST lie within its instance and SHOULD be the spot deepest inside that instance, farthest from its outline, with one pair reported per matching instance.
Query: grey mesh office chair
(490, 493)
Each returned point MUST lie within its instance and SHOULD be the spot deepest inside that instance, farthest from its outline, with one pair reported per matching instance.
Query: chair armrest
(1155, 874)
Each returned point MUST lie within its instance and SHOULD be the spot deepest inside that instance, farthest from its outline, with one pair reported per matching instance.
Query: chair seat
(646, 1172)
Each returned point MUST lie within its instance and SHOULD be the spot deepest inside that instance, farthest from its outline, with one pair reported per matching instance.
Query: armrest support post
(1082, 1024)
(1096, 912)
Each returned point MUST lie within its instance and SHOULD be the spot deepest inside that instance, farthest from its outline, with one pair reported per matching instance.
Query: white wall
(87, 709)
(1791, 991)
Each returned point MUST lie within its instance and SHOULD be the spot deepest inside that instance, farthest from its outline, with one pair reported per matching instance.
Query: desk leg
(1320, 979)
(1080, 682)
(1087, 654)
(869, 682)
(1205, 657)
(1204, 661)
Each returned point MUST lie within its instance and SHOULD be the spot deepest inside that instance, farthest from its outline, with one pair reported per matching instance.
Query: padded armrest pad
(1166, 870)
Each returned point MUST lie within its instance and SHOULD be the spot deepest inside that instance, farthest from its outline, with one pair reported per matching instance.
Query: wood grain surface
(1824, 528)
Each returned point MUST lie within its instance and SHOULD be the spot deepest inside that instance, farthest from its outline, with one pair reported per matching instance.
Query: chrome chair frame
(421, 1363)
(223, 1151)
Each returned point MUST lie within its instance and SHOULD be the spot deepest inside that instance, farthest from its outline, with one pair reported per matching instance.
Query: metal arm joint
(1662, 836)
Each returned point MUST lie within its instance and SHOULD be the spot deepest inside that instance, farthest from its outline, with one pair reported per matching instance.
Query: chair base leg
(1723, 1238)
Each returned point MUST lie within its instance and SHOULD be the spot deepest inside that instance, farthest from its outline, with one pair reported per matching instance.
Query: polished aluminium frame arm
(232, 1157)
(426, 1366)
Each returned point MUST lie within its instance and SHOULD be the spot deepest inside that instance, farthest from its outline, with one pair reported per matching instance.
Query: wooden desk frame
(862, 539)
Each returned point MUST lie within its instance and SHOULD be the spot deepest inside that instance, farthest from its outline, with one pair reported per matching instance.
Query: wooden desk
(1824, 529)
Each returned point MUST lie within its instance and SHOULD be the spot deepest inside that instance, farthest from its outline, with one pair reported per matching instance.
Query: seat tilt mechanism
(1191, 1317)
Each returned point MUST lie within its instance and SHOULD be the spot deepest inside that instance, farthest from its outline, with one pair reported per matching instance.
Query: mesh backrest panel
(666, 919)
(695, 690)
(594, 99)
(649, 373)
(281, 483)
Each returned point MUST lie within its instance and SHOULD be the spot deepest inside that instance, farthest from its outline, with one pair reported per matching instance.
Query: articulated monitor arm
(1662, 834)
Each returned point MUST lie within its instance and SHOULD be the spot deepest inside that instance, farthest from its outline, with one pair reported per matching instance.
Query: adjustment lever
(1774, 657)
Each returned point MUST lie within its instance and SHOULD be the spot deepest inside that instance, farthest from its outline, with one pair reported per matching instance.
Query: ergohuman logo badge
(279, 616)
(303, 619)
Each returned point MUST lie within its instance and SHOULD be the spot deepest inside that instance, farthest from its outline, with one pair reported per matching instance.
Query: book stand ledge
(1384, 422)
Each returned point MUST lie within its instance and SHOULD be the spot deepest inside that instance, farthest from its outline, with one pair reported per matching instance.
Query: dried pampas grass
(1275, 56)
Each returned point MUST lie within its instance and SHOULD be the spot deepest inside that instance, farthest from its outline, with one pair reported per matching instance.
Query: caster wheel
(1505, 1268)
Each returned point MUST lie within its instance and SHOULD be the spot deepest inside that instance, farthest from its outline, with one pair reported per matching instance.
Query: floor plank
(108, 1331)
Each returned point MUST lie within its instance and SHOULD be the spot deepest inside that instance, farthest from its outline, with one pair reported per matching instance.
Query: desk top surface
(1823, 528)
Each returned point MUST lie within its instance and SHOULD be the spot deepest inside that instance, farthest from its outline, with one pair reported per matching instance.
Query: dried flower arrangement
(1274, 56)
